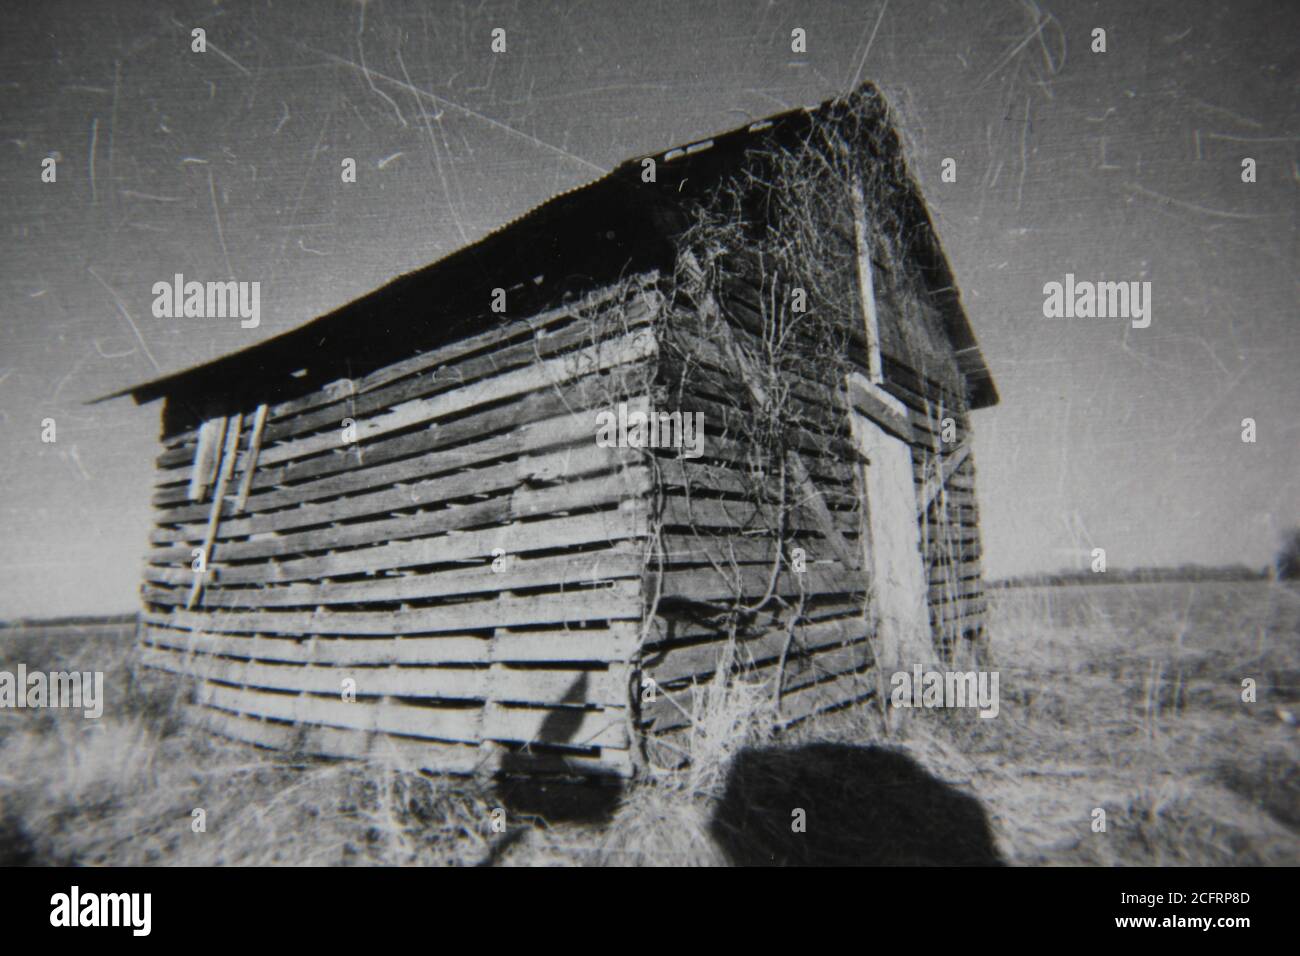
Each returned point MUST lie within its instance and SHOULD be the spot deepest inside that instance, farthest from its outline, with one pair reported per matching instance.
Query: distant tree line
(85, 620)
(1285, 567)
(1186, 572)
(1287, 564)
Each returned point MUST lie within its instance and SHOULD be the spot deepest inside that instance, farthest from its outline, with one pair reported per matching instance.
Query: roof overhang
(617, 205)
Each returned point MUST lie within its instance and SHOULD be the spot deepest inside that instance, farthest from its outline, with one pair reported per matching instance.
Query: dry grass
(122, 789)
(1128, 698)
(1123, 697)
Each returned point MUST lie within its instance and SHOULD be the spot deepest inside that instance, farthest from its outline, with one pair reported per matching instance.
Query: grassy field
(1120, 697)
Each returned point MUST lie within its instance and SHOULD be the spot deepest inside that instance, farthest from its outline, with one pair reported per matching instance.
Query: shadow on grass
(1271, 782)
(16, 847)
(559, 800)
(864, 806)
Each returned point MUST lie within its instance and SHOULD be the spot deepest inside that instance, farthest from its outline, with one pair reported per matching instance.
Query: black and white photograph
(651, 434)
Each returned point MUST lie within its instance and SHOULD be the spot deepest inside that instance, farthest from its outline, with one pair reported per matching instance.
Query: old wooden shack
(391, 532)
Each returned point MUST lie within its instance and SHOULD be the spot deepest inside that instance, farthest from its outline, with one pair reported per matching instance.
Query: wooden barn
(394, 532)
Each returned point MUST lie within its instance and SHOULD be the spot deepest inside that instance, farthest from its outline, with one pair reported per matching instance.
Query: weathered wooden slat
(946, 530)
(607, 688)
(701, 660)
(678, 548)
(532, 686)
(557, 727)
(815, 413)
(972, 623)
(619, 600)
(960, 477)
(671, 708)
(669, 628)
(564, 570)
(442, 757)
(566, 727)
(749, 581)
(524, 502)
(953, 552)
(946, 508)
(713, 512)
(627, 521)
(444, 649)
(961, 570)
(459, 724)
(846, 689)
(947, 590)
(949, 535)
(734, 422)
(700, 476)
(948, 611)
(965, 500)
(941, 523)
(180, 453)
(954, 506)
(745, 303)
(834, 475)
(811, 382)
(605, 645)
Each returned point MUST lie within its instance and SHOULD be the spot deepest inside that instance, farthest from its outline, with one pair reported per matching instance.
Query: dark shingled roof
(612, 226)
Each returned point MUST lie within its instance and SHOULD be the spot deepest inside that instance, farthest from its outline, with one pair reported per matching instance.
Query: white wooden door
(892, 542)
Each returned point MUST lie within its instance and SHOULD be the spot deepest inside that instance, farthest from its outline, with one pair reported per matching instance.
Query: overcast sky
(1119, 166)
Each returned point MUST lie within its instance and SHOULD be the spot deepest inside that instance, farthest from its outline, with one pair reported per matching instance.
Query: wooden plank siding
(367, 566)
(460, 586)
(717, 553)
(717, 550)
(950, 529)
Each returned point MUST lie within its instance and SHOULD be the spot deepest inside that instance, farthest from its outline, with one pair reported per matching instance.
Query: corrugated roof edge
(983, 392)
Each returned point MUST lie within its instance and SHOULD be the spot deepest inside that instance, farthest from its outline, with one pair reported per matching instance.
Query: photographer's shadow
(841, 805)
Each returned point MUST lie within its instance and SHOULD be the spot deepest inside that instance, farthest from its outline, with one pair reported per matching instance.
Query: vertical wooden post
(250, 464)
(866, 290)
(218, 500)
(207, 449)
